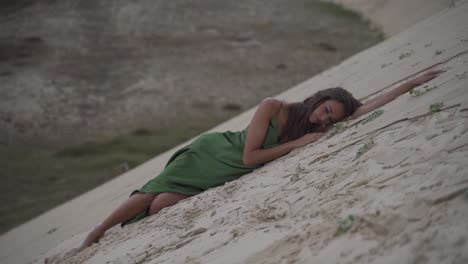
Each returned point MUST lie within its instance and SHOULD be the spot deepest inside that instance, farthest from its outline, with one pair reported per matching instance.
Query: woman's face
(327, 113)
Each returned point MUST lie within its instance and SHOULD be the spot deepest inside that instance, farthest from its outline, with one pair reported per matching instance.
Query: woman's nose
(323, 119)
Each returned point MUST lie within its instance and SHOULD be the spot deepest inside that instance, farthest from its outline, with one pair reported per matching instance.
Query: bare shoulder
(270, 106)
(266, 110)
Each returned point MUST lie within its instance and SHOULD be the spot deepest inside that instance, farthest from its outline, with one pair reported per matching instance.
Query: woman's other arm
(256, 133)
(385, 98)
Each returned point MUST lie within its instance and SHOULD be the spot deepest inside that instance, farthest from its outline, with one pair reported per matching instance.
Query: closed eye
(329, 111)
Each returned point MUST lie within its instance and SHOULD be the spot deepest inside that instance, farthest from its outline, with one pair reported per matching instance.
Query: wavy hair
(298, 113)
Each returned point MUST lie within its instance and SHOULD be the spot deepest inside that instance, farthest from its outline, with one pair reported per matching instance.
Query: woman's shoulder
(267, 112)
(271, 105)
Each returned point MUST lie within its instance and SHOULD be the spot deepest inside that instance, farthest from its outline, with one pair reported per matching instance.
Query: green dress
(211, 160)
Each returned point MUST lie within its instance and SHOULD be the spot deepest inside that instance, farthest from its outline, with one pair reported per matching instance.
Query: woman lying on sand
(215, 158)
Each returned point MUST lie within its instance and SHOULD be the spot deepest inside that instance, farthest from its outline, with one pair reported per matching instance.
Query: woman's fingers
(434, 72)
(427, 76)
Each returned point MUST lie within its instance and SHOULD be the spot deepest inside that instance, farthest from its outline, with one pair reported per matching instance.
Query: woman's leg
(165, 200)
(130, 208)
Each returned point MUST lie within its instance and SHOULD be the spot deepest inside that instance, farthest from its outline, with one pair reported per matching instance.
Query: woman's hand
(427, 76)
(307, 139)
(92, 237)
(389, 96)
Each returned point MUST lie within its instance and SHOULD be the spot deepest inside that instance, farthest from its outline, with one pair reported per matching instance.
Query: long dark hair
(298, 123)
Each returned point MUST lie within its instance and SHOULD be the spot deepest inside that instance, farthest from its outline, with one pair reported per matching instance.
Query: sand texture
(390, 188)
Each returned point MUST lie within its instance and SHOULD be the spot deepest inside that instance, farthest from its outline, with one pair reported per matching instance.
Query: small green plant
(385, 65)
(406, 54)
(334, 9)
(52, 230)
(373, 116)
(336, 129)
(344, 225)
(364, 148)
(436, 107)
(461, 76)
(466, 194)
(426, 89)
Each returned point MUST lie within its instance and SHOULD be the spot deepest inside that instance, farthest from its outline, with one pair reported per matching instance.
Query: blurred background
(92, 88)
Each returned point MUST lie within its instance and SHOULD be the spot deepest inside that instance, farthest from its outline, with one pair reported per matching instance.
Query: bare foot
(92, 237)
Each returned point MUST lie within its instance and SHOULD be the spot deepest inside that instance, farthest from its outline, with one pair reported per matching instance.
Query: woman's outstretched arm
(387, 97)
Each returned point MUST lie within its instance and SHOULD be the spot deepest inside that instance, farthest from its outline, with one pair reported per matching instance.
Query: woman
(213, 159)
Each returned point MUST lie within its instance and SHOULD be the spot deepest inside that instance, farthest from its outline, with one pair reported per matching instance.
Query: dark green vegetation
(337, 129)
(372, 116)
(344, 225)
(333, 9)
(44, 179)
(341, 126)
(338, 11)
(436, 107)
(419, 92)
(366, 147)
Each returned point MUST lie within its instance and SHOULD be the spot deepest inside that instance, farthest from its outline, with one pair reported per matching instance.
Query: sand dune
(390, 188)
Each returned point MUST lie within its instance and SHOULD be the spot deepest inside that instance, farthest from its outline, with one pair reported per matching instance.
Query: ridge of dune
(391, 188)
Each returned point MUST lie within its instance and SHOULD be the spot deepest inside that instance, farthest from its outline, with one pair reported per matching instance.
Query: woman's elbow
(247, 161)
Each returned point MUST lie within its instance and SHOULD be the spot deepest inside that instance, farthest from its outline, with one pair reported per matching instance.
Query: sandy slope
(405, 193)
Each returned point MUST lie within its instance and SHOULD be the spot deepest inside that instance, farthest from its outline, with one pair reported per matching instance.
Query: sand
(389, 189)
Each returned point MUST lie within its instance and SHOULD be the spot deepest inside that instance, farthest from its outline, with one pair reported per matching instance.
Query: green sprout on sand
(426, 89)
(372, 116)
(52, 230)
(337, 129)
(406, 54)
(436, 107)
(364, 148)
(344, 225)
